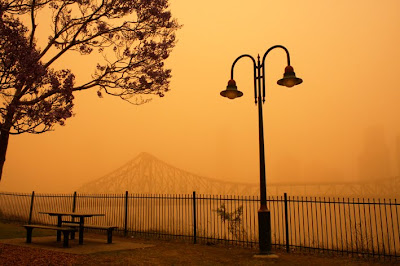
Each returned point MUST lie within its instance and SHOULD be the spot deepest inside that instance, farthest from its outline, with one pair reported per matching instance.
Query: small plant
(234, 220)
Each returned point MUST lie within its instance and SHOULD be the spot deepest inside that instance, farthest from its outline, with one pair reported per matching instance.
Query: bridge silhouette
(149, 175)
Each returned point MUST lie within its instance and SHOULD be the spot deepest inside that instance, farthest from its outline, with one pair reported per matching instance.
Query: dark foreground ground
(160, 252)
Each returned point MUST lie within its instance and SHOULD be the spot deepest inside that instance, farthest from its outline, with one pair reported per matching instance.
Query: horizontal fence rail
(366, 227)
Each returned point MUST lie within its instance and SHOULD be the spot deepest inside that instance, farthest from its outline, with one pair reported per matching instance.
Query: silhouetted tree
(133, 37)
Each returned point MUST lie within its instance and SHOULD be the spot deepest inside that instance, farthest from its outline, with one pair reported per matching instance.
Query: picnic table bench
(68, 228)
(80, 215)
(109, 229)
(65, 230)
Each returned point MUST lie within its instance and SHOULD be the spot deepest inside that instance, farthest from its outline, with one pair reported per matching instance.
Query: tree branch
(33, 23)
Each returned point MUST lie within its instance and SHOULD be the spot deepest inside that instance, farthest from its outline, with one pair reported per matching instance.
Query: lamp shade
(289, 78)
(231, 91)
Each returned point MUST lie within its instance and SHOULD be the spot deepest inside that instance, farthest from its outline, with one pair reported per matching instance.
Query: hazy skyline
(322, 130)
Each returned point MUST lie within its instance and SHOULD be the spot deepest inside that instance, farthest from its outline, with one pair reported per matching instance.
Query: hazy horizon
(340, 125)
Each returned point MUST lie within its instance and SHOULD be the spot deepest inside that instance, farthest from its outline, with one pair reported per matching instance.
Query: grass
(162, 252)
(13, 230)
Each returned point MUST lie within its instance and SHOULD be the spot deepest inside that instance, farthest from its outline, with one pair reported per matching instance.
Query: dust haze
(341, 125)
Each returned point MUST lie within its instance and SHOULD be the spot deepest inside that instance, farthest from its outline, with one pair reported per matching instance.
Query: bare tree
(134, 38)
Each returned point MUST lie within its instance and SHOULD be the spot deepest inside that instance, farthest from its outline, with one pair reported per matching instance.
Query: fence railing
(365, 227)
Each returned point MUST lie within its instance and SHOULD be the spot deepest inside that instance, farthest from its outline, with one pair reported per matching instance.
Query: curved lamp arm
(277, 46)
(254, 69)
(263, 64)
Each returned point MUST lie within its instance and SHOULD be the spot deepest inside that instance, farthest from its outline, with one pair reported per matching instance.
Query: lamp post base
(264, 230)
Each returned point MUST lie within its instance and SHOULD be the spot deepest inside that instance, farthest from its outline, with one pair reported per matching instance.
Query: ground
(166, 252)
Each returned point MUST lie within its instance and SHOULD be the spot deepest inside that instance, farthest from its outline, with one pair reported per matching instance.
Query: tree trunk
(4, 134)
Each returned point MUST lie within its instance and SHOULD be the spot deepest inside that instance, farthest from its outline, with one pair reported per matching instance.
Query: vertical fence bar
(393, 229)
(230, 237)
(360, 220)
(126, 214)
(222, 230)
(302, 216)
(387, 226)
(326, 226)
(340, 223)
(286, 223)
(73, 210)
(167, 211)
(74, 202)
(296, 221)
(215, 199)
(355, 225)
(31, 208)
(370, 226)
(142, 214)
(321, 227)
(163, 214)
(187, 216)
(279, 223)
(351, 232)
(376, 229)
(174, 214)
(308, 224)
(312, 224)
(159, 228)
(194, 217)
(293, 228)
(330, 222)
(234, 211)
(381, 218)
(336, 226)
(397, 220)
(366, 228)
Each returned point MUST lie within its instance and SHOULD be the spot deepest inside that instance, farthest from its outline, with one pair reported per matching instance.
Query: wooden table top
(73, 214)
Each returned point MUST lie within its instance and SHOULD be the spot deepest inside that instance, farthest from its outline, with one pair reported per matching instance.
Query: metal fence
(366, 227)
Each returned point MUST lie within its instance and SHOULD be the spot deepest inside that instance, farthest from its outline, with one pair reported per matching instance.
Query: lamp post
(289, 80)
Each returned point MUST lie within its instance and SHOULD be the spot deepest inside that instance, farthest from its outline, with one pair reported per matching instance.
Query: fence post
(286, 223)
(126, 214)
(74, 202)
(194, 218)
(31, 208)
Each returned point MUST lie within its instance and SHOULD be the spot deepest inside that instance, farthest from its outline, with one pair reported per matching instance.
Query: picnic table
(81, 223)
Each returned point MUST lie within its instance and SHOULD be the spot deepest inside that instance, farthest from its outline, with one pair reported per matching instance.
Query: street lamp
(289, 80)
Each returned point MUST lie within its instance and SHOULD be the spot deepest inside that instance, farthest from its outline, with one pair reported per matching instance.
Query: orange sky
(341, 124)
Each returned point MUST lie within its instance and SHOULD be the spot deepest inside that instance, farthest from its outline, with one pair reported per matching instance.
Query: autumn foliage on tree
(132, 37)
